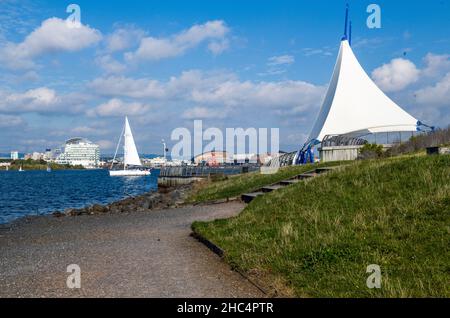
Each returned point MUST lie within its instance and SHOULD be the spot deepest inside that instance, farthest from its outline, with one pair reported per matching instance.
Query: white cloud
(116, 108)
(123, 38)
(127, 87)
(204, 113)
(281, 60)
(436, 65)
(106, 144)
(153, 49)
(53, 35)
(438, 94)
(325, 51)
(396, 75)
(110, 65)
(218, 47)
(41, 100)
(217, 89)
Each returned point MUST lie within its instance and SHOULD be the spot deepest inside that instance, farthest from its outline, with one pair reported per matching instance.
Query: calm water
(41, 192)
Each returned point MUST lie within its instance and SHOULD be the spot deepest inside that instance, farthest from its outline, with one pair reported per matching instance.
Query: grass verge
(233, 186)
(316, 239)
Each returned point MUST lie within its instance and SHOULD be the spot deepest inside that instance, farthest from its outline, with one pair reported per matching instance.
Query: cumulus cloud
(53, 35)
(110, 65)
(123, 38)
(217, 89)
(116, 108)
(396, 75)
(41, 100)
(436, 64)
(153, 49)
(438, 94)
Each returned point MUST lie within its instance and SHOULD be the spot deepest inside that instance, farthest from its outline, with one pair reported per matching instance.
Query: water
(41, 192)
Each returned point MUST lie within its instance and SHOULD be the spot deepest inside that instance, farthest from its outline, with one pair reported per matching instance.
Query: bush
(439, 137)
(370, 151)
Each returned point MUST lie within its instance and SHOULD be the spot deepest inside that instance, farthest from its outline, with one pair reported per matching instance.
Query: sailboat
(131, 161)
(49, 169)
(21, 169)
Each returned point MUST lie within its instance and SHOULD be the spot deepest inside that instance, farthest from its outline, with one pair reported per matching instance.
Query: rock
(58, 214)
(98, 209)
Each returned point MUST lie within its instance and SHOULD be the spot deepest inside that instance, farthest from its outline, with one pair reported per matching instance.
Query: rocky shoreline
(165, 197)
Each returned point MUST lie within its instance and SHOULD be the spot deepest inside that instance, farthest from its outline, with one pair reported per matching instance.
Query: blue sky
(229, 63)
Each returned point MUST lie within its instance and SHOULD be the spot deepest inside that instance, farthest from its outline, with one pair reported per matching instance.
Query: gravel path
(124, 255)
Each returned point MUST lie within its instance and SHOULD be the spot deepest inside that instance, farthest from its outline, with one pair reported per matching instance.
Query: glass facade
(80, 151)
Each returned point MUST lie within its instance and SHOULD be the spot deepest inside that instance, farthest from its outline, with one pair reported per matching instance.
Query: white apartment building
(80, 151)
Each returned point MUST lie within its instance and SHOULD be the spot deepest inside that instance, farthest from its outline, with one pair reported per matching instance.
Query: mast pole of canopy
(346, 23)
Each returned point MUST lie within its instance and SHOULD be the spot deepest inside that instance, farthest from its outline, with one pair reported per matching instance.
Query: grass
(236, 185)
(316, 238)
(29, 164)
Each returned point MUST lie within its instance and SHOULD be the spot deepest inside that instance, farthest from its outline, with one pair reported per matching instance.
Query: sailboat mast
(125, 144)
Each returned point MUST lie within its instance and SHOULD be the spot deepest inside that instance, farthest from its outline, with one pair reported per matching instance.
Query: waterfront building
(212, 158)
(80, 151)
(14, 155)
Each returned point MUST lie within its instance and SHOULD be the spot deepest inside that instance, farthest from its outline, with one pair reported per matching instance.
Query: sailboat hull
(129, 173)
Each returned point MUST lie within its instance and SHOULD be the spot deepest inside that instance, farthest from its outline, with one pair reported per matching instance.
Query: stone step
(323, 170)
(307, 175)
(249, 197)
(289, 182)
(272, 188)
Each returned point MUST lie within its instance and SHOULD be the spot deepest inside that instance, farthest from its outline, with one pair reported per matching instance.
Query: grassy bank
(316, 239)
(29, 164)
(236, 185)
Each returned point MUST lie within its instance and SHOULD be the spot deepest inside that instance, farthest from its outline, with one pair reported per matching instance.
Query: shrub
(370, 151)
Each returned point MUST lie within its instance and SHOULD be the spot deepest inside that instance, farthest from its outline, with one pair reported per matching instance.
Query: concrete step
(307, 175)
(249, 197)
(272, 188)
(289, 182)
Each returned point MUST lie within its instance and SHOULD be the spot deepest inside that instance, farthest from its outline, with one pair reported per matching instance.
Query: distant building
(212, 158)
(14, 155)
(80, 151)
(48, 155)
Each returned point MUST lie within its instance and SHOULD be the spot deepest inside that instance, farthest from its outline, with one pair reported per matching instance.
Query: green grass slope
(316, 238)
(237, 185)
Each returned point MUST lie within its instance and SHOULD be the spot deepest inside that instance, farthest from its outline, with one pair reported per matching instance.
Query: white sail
(131, 156)
(355, 105)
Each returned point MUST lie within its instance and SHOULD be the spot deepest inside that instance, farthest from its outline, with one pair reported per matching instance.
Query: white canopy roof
(355, 105)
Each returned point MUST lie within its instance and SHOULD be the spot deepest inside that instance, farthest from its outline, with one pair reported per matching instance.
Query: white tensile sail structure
(130, 155)
(355, 105)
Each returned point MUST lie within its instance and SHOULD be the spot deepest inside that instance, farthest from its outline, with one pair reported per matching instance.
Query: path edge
(220, 252)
